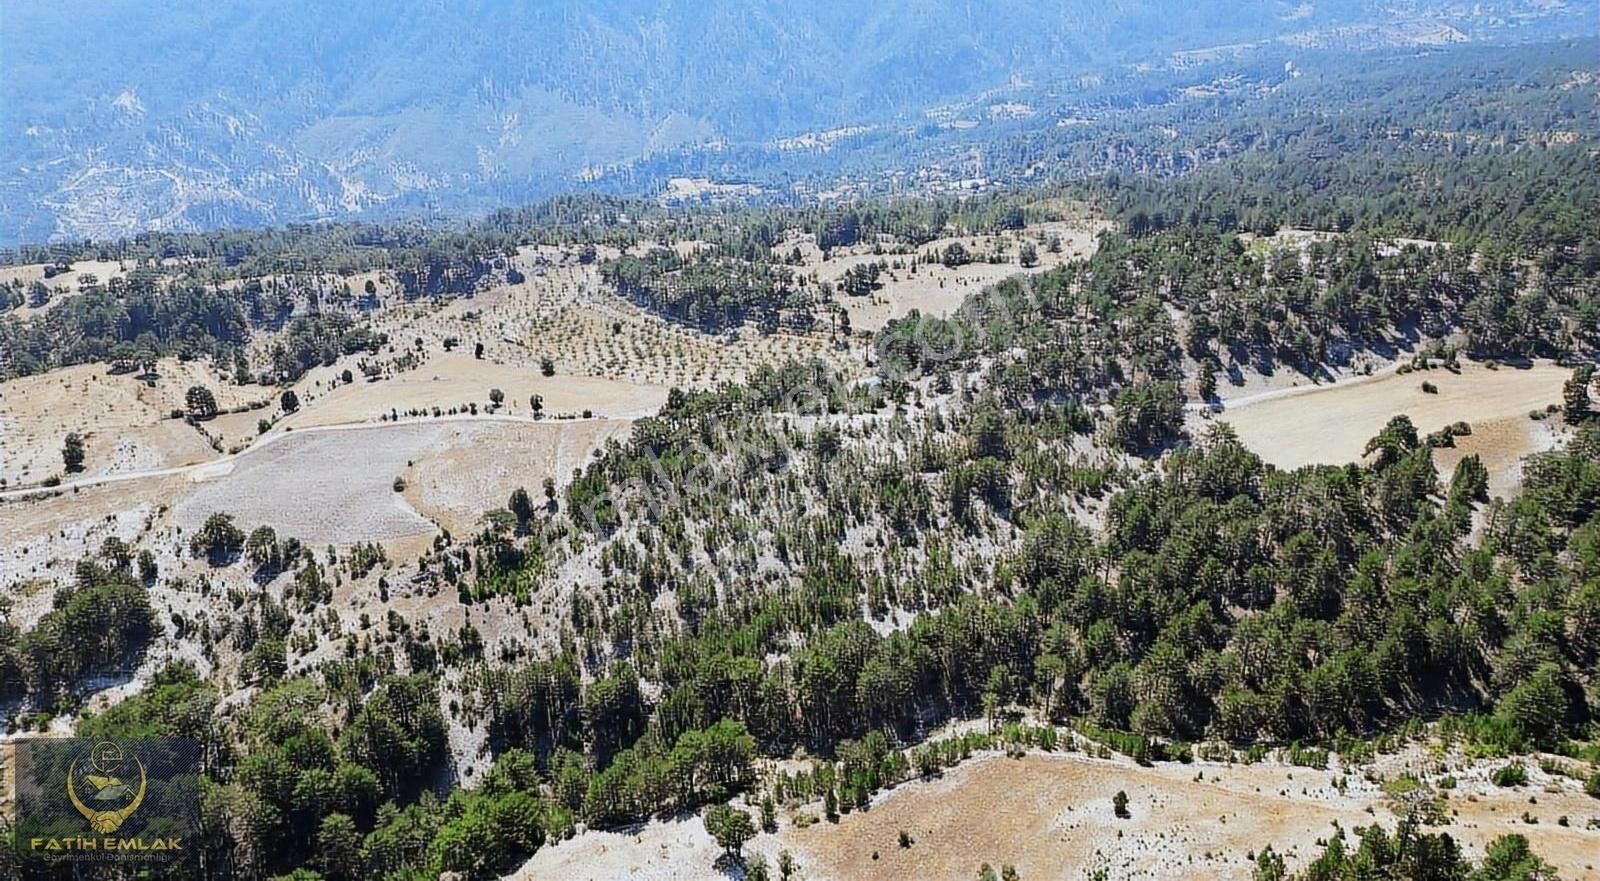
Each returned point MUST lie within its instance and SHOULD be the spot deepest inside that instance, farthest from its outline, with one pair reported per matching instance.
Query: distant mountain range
(119, 116)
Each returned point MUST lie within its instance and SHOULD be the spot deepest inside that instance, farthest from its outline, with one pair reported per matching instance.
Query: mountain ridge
(139, 124)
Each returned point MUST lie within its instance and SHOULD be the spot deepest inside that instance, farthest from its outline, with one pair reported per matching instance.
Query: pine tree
(1575, 394)
(72, 453)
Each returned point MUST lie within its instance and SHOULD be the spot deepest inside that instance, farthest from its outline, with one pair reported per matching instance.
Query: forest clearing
(1330, 425)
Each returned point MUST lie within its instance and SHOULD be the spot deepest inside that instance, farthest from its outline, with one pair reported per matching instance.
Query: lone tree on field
(1119, 803)
(72, 452)
(219, 541)
(537, 404)
(201, 402)
(289, 401)
(731, 828)
(496, 397)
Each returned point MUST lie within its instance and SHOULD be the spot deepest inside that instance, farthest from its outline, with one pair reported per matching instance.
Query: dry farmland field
(1331, 424)
(935, 289)
(1050, 815)
(126, 423)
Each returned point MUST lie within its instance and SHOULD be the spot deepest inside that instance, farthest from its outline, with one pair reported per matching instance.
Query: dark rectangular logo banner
(134, 800)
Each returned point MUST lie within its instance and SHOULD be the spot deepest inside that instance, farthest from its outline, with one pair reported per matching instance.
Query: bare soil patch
(337, 486)
(477, 466)
(450, 380)
(1052, 817)
(126, 423)
(1044, 814)
(658, 851)
(1331, 424)
(1501, 444)
(332, 487)
(935, 289)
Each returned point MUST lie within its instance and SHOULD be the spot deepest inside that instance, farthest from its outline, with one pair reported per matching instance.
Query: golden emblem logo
(109, 789)
(139, 798)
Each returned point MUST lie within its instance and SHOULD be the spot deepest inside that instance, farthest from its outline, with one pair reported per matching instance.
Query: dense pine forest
(1012, 519)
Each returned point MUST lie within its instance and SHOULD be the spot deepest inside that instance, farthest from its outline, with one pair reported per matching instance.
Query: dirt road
(223, 464)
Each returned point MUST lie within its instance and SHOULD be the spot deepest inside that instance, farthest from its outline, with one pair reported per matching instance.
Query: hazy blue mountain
(118, 116)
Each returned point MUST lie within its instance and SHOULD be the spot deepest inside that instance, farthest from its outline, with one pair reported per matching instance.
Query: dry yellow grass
(454, 379)
(478, 467)
(63, 285)
(1501, 444)
(25, 521)
(126, 424)
(1044, 814)
(1332, 424)
(1051, 816)
(935, 289)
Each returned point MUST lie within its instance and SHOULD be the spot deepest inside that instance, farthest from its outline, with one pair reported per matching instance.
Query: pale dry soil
(1043, 813)
(1331, 424)
(479, 465)
(41, 542)
(1051, 816)
(65, 285)
(1502, 445)
(449, 380)
(126, 424)
(934, 289)
(655, 851)
(337, 487)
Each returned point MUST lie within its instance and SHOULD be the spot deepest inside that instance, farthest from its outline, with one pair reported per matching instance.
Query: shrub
(1510, 775)
(201, 403)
